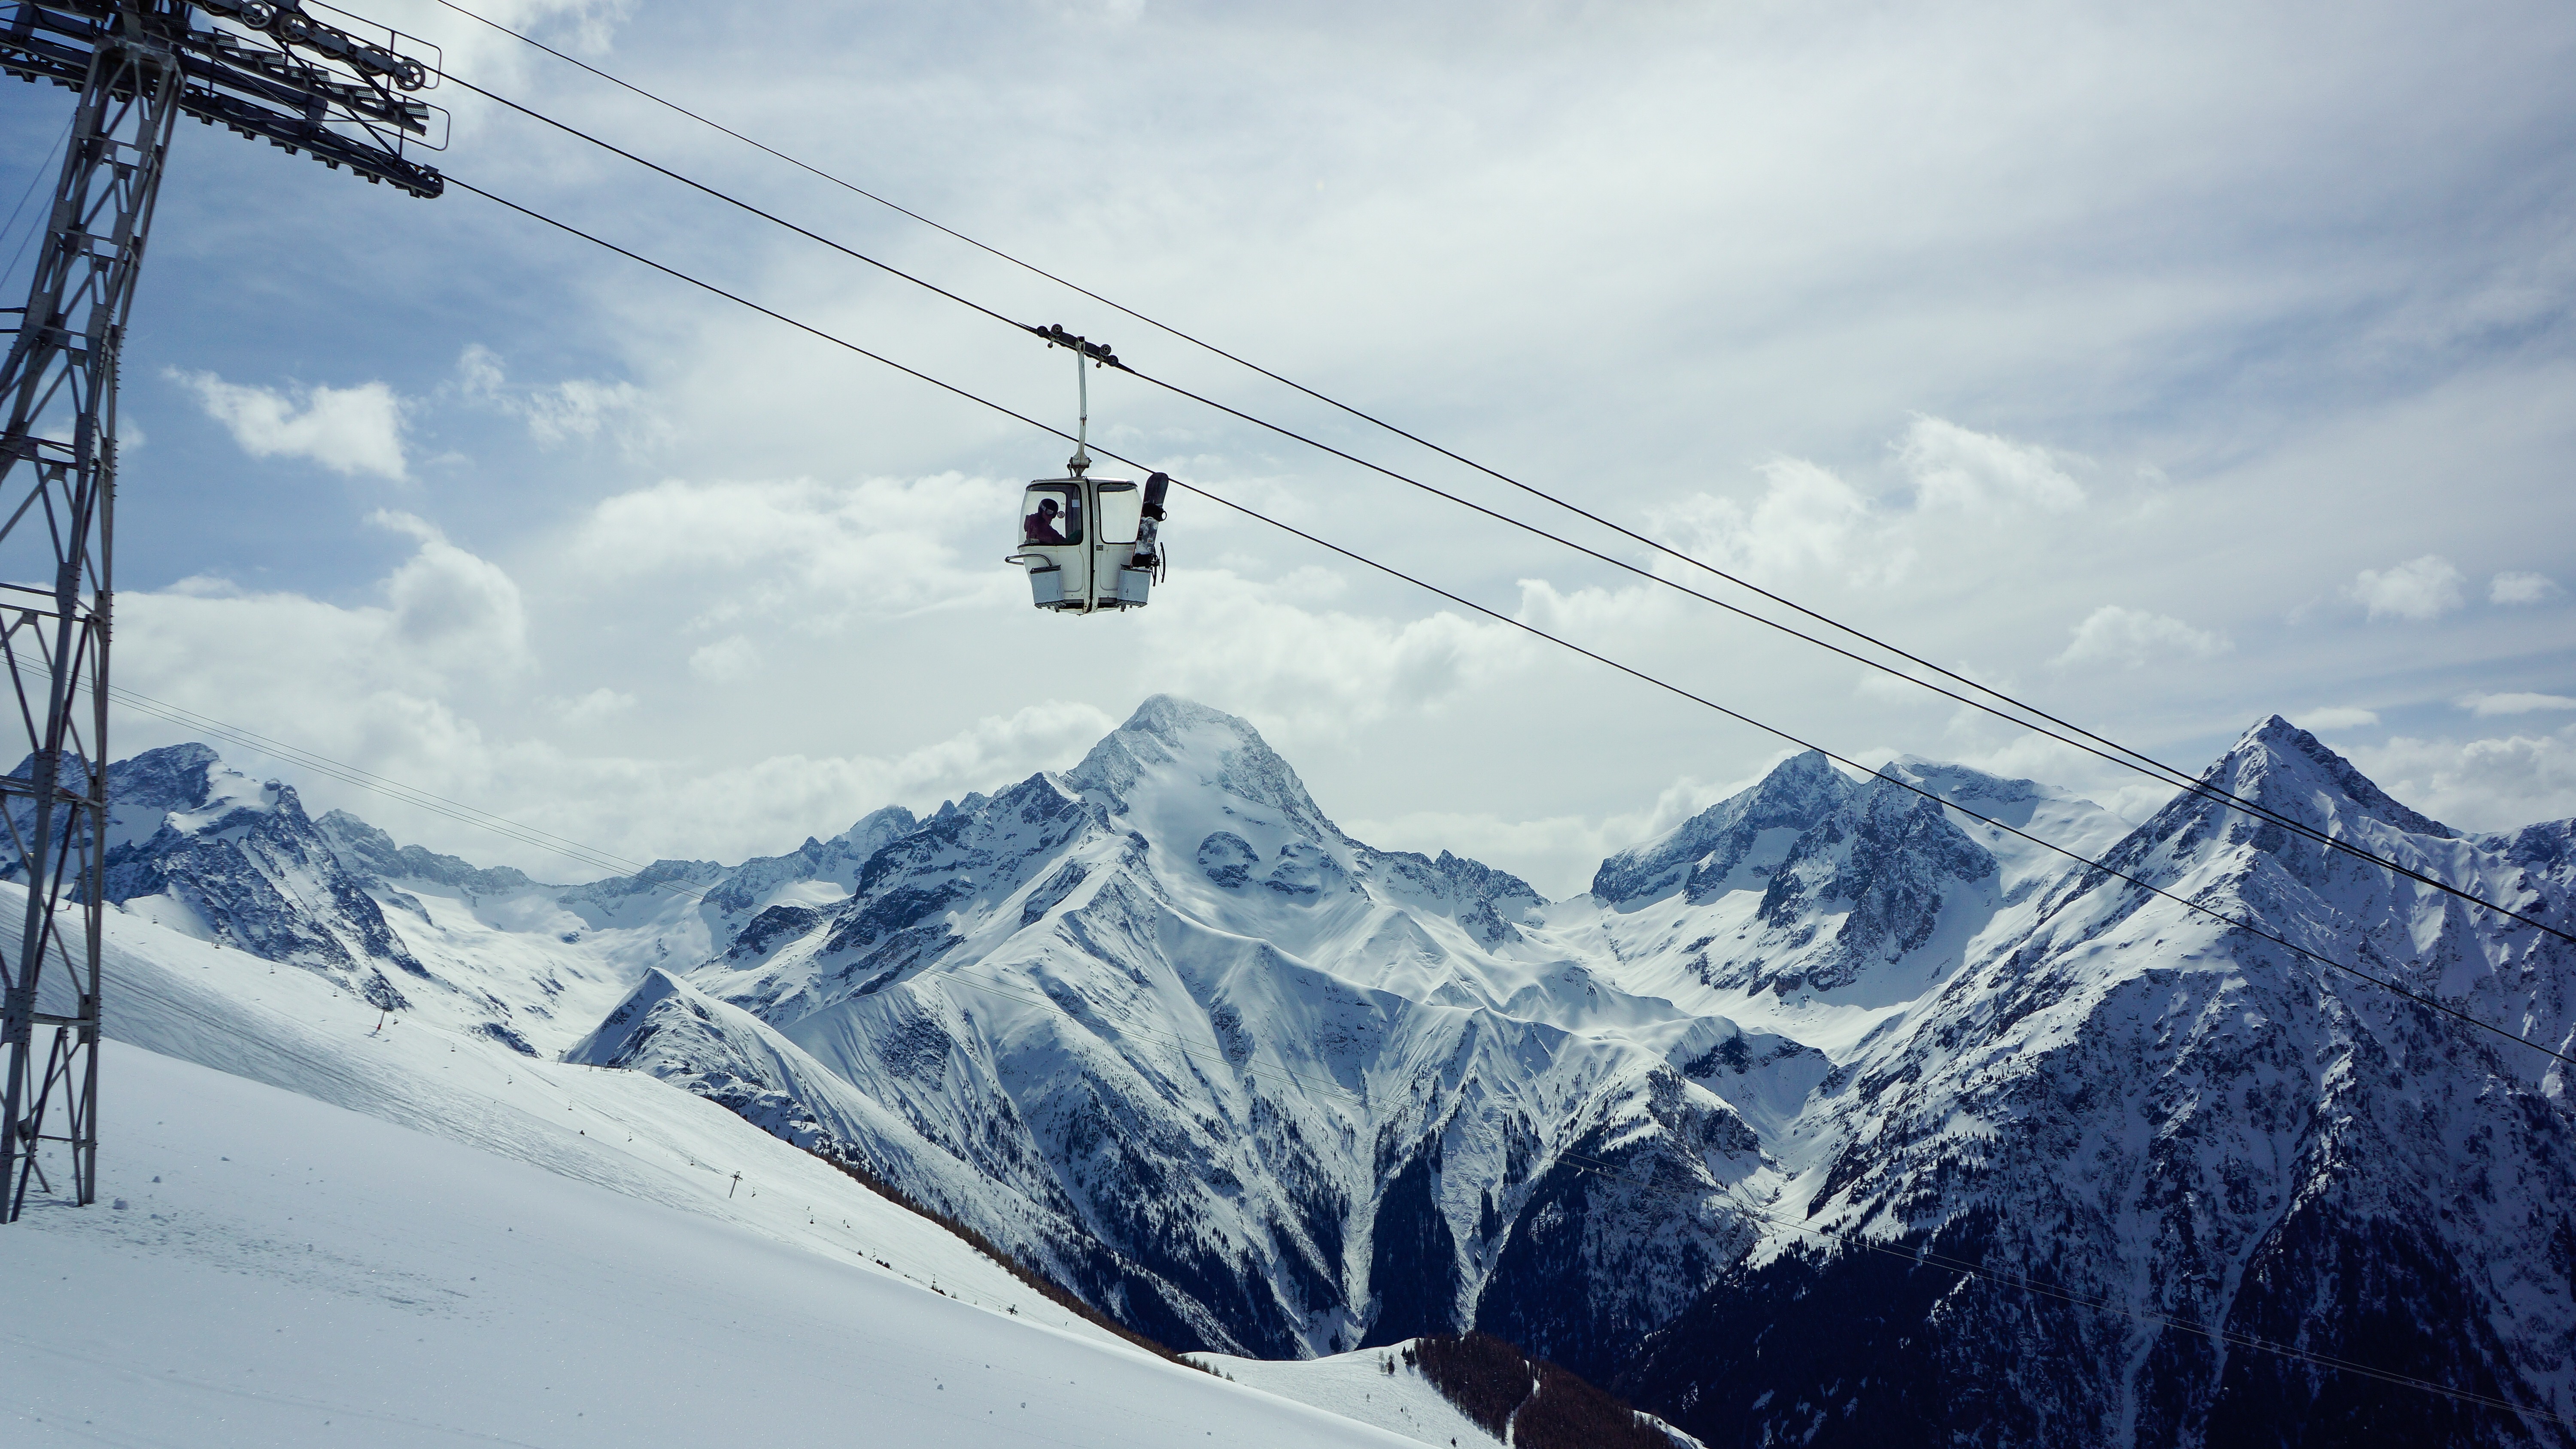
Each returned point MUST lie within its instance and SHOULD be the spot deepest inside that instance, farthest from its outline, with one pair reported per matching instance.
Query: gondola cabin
(1088, 543)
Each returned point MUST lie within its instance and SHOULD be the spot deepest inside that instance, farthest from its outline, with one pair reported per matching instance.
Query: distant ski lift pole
(1089, 544)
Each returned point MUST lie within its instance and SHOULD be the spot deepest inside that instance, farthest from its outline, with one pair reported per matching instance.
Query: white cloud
(2495, 704)
(1559, 854)
(348, 430)
(2488, 784)
(1953, 467)
(2136, 803)
(997, 749)
(447, 617)
(2422, 588)
(2336, 717)
(1312, 674)
(577, 408)
(2511, 588)
(2131, 637)
(730, 658)
(453, 607)
(599, 705)
(1808, 520)
(1804, 519)
(822, 553)
(582, 26)
(592, 22)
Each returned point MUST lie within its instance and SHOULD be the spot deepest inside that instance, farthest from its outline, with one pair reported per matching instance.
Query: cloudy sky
(2171, 366)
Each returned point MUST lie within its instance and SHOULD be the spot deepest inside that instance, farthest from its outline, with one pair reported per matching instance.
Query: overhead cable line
(2088, 743)
(2102, 868)
(2125, 756)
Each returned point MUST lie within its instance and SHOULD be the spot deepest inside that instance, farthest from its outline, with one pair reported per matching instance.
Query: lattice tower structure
(273, 71)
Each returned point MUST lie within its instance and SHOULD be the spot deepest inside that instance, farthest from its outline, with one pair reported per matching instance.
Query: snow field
(1357, 1386)
(623, 1131)
(285, 1272)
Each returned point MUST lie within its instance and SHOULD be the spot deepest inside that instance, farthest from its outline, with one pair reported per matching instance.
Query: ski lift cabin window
(1121, 509)
(1053, 514)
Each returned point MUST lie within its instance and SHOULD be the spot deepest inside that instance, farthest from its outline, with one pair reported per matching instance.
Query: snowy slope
(1158, 1025)
(1308, 1095)
(278, 1271)
(1359, 1386)
(2153, 1110)
(622, 1131)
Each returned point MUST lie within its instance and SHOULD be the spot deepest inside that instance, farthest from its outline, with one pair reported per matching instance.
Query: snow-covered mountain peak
(2284, 768)
(187, 787)
(1732, 842)
(174, 776)
(1173, 749)
(1965, 784)
(2067, 820)
(188, 790)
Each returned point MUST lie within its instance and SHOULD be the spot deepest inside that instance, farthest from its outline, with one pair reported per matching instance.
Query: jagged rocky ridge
(1291, 1087)
(1157, 1024)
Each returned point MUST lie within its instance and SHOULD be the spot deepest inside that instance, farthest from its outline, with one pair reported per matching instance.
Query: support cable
(2089, 743)
(2100, 868)
(2123, 755)
(44, 167)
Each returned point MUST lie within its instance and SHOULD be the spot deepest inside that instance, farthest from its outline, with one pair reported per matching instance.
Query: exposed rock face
(1154, 993)
(1881, 866)
(373, 853)
(1733, 844)
(2184, 1128)
(237, 861)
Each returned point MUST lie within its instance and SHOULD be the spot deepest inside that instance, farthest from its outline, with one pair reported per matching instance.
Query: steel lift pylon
(307, 79)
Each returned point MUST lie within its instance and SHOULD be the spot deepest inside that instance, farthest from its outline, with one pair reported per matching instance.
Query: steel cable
(2102, 868)
(2084, 741)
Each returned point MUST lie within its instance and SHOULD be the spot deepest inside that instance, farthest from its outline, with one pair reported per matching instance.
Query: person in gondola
(1042, 524)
